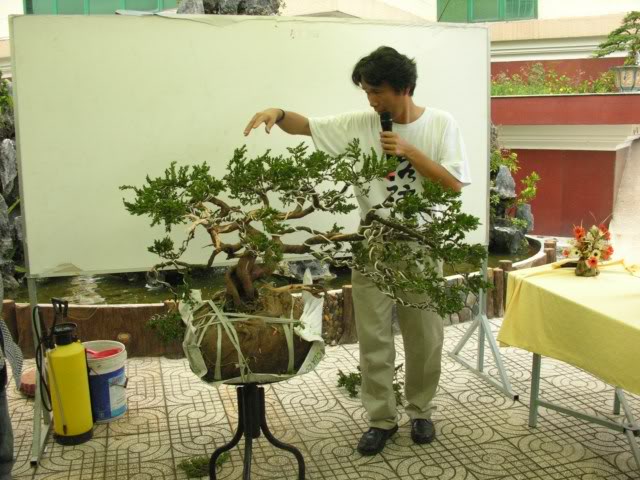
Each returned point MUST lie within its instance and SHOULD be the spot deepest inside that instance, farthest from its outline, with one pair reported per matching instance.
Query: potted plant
(625, 38)
(262, 210)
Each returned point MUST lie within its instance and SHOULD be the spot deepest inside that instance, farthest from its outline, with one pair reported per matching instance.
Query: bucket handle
(111, 383)
(123, 385)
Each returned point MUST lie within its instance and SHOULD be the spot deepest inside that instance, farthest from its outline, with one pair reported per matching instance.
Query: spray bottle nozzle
(64, 333)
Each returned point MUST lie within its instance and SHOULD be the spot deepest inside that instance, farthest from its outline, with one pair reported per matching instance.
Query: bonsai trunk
(240, 283)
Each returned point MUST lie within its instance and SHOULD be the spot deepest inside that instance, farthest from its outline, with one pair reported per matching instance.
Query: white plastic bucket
(107, 381)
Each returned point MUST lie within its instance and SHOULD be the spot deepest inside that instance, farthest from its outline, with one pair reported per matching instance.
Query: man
(429, 145)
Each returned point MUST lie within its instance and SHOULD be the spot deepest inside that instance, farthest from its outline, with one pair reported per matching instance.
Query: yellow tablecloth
(590, 322)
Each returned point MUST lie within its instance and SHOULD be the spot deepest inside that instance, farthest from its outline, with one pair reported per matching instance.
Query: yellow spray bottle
(68, 382)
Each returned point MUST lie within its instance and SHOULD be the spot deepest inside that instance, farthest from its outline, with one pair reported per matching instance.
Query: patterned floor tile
(160, 469)
(139, 421)
(481, 434)
(84, 461)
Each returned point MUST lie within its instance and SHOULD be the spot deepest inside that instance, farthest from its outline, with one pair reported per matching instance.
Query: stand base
(252, 420)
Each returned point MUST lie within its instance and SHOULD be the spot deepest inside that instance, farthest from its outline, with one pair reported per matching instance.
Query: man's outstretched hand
(268, 117)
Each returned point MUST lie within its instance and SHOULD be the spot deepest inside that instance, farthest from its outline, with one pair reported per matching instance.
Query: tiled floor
(481, 434)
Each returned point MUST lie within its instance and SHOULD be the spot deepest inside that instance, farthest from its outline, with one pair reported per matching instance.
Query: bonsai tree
(262, 210)
(267, 203)
(625, 38)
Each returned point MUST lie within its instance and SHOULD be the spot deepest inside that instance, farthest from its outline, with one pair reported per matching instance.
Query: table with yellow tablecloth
(590, 322)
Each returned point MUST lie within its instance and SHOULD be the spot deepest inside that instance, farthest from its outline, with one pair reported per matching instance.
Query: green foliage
(625, 38)
(352, 382)
(168, 326)
(6, 101)
(536, 80)
(520, 224)
(169, 199)
(500, 157)
(297, 177)
(424, 228)
(502, 208)
(197, 467)
(530, 189)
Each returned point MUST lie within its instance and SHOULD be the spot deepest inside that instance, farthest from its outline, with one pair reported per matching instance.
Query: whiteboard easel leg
(41, 417)
(484, 333)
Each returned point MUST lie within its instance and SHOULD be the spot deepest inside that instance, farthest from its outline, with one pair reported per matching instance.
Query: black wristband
(282, 117)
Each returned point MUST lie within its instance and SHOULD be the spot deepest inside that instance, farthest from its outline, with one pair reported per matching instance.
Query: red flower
(604, 231)
(566, 252)
(592, 262)
(607, 252)
(578, 232)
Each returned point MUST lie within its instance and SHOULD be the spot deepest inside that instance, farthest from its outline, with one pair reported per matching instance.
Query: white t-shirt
(435, 133)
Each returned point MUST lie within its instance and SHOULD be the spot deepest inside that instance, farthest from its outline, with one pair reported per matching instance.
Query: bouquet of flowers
(589, 247)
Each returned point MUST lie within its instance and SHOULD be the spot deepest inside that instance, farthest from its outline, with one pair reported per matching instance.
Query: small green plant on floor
(168, 326)
(197, 467)
(353, 380)
(536, 80)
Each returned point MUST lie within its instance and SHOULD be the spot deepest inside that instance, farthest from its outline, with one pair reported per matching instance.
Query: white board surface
(103, 101)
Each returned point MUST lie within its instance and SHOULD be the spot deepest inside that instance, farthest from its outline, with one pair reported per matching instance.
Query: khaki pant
(422, 334)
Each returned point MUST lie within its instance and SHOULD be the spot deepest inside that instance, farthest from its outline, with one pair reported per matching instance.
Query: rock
(454, 318)
(9, 282)
(296, 269)
(17, 229)
(7, 126)
(8, 166)
(6, 239)
(505, 185)
(191, 6)
(505, 239)
(523, 212)
(242, 7)
(493, 142)
(156, 280)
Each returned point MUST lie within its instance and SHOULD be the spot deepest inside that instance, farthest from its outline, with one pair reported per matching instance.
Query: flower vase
(584, 270)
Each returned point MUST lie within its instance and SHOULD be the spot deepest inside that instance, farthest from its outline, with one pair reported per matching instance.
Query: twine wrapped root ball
(266, 340)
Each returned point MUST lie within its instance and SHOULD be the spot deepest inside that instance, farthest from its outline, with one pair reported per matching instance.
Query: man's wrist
(281, 116)
(412, 153)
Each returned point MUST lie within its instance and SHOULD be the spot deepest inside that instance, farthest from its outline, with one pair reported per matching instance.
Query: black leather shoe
(373, 440)
(422, 431)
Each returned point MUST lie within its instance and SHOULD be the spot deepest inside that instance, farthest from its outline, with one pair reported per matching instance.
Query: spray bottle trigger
(60, 307)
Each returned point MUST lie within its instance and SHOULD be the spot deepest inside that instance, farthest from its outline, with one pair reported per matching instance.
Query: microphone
(387, 126)
(386, 122)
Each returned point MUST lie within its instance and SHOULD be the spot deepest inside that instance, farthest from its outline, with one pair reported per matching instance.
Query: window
(96, 7)
(486, 10)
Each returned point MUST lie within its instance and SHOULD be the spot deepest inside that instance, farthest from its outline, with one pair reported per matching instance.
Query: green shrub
(536, 80)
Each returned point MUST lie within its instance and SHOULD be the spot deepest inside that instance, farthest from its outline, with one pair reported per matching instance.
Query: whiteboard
(102, 101)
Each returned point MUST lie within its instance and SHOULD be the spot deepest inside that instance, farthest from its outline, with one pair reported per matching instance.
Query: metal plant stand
(252, 420)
